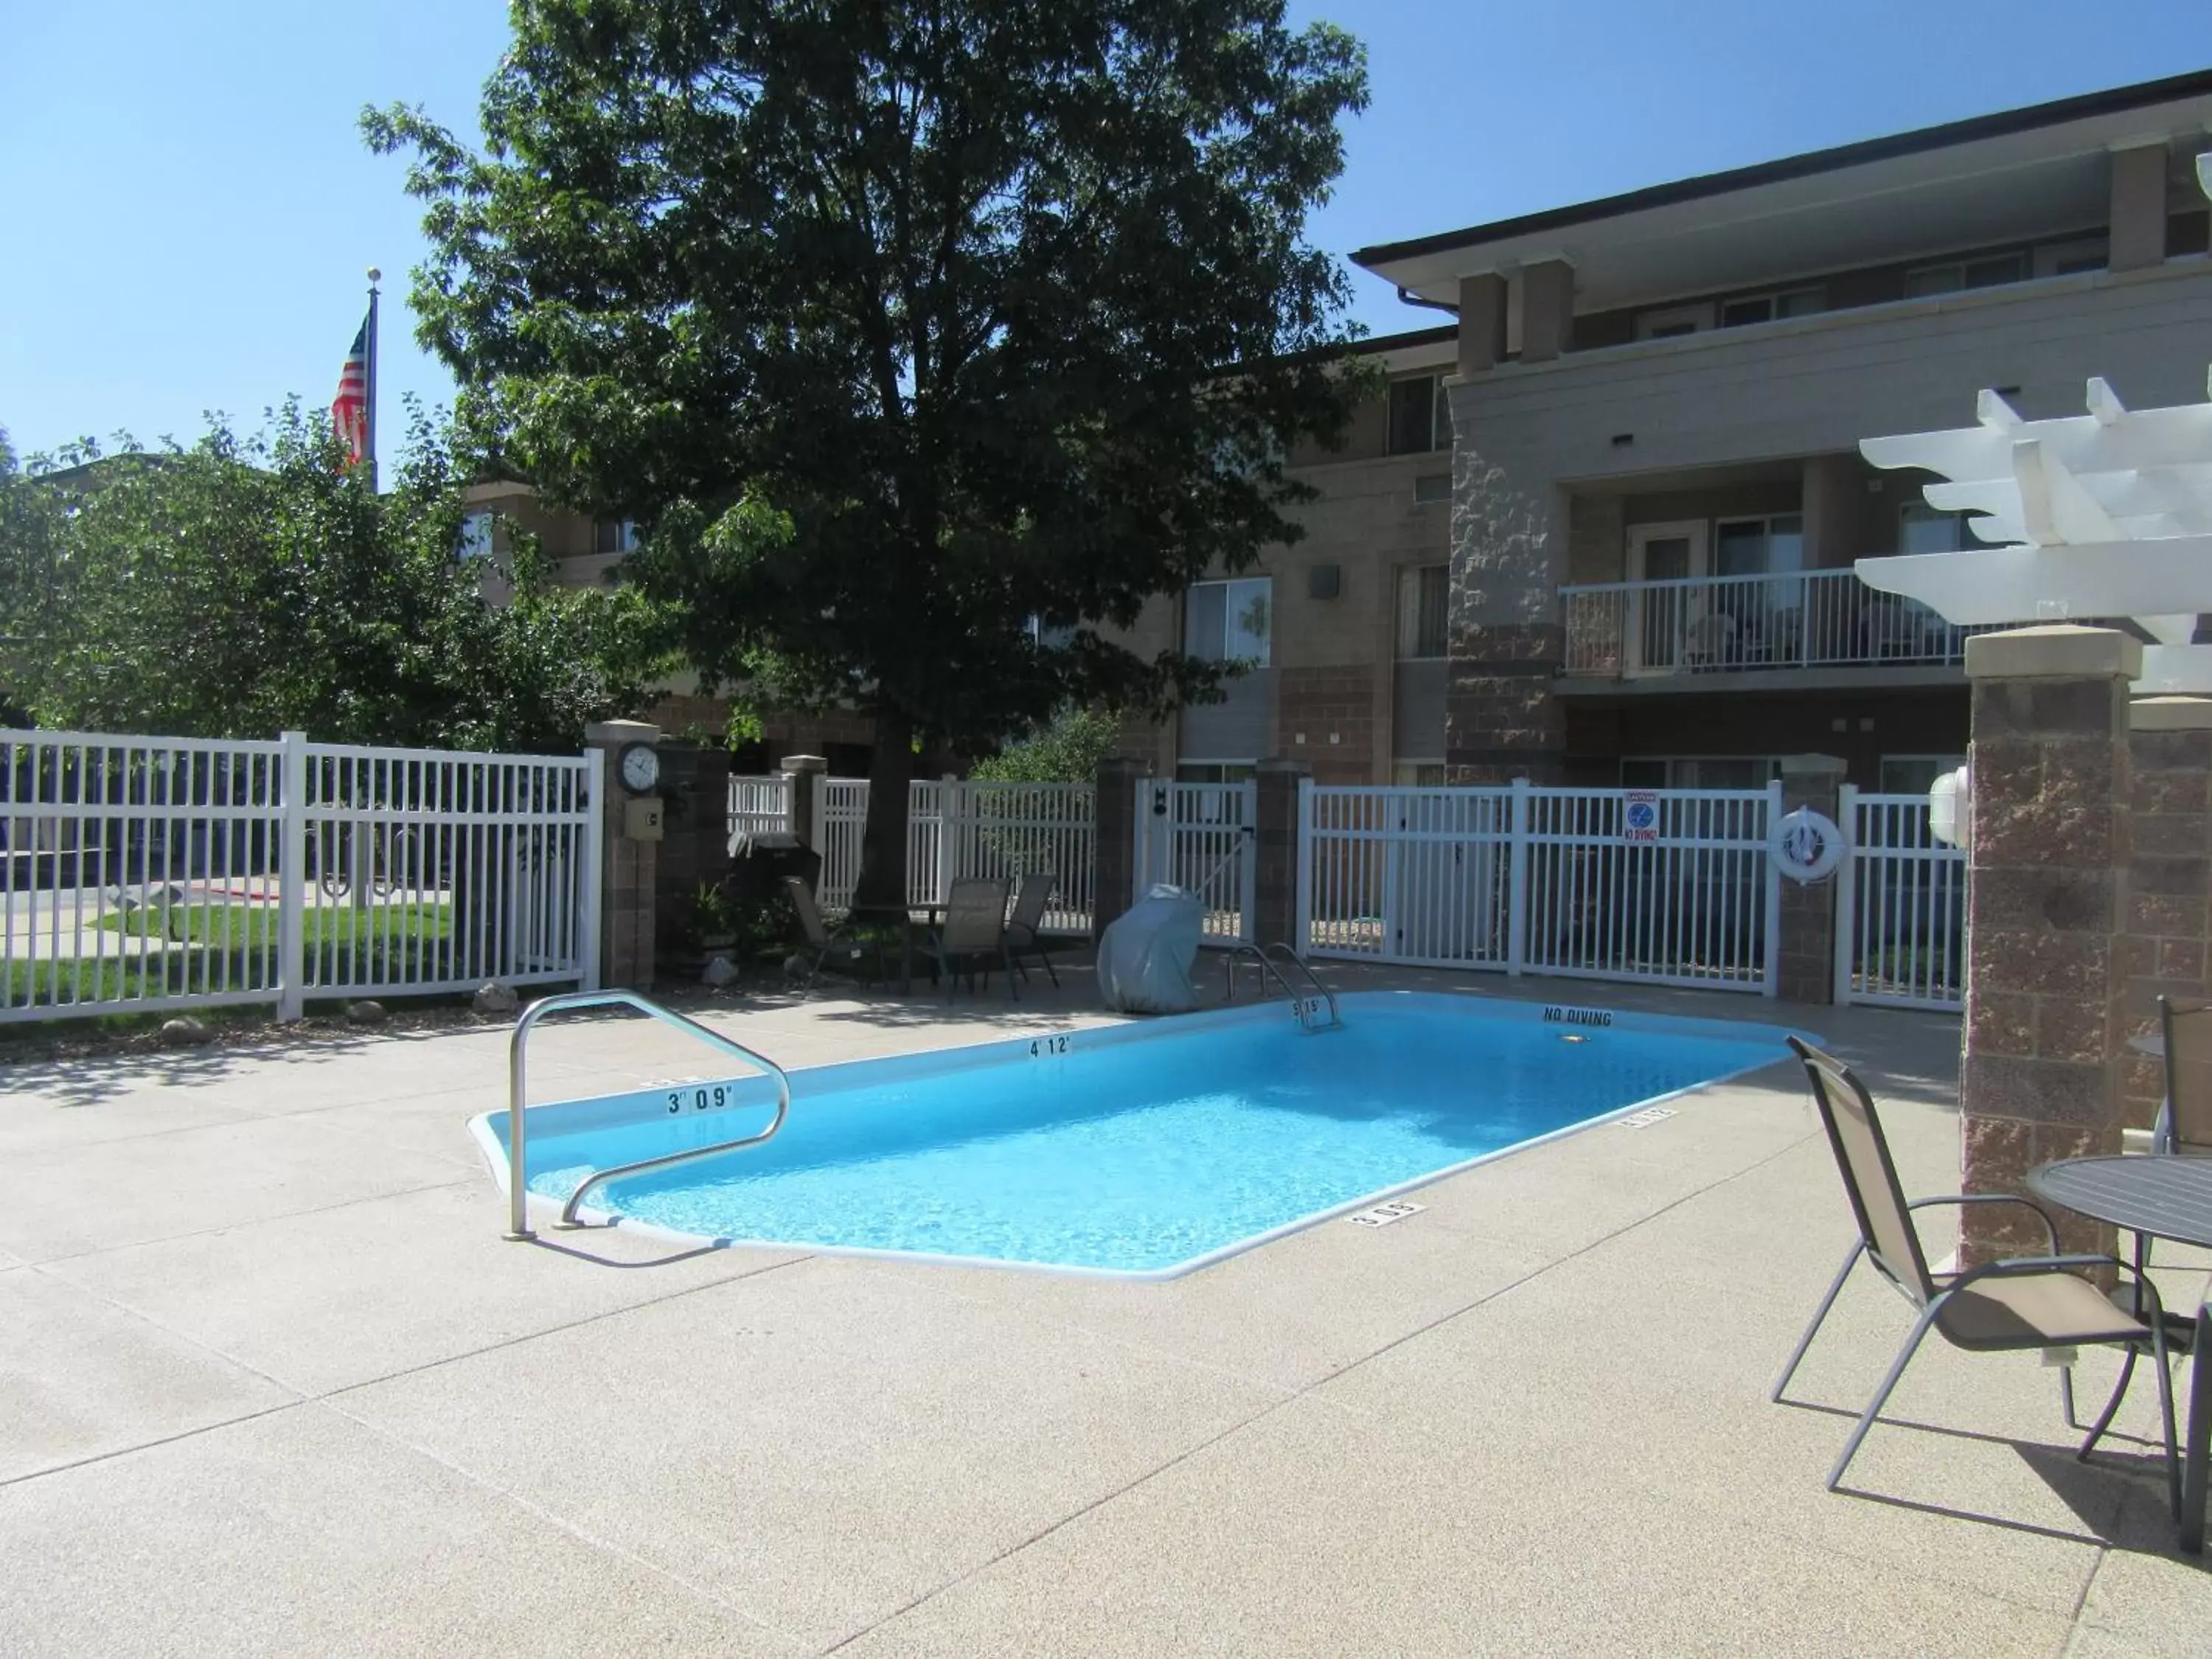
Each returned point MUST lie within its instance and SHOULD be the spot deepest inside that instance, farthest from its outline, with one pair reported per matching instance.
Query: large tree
(903, 326)
(238, 586)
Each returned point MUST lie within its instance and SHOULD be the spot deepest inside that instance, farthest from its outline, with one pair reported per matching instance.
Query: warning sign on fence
(1639, 818)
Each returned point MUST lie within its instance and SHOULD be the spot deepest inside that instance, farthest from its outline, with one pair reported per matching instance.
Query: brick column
(802, 770)
(1114, 844)
(2169, 915)
(2046, 918)
(1275, 879)
(1808, 909)
(629, 870)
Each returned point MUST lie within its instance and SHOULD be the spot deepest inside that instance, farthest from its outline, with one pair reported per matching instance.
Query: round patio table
(2163, 1196)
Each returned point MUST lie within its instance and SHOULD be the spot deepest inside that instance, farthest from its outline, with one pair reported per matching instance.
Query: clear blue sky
(189, 211)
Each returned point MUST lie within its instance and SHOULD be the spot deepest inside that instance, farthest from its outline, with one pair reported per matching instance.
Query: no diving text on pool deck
(1555, 1015)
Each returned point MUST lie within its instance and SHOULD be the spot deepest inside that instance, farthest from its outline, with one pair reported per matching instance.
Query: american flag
(350, 412)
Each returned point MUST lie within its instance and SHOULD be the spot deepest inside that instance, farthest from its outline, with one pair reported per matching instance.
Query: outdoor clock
(640, 765)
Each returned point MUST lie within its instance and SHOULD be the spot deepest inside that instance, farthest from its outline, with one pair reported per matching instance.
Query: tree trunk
(883, 839)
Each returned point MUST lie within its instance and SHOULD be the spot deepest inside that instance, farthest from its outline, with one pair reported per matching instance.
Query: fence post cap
(2170, 715)
(610, 732)
(803, 763)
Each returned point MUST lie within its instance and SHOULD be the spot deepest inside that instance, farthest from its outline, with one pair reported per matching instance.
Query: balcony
(1799, 621)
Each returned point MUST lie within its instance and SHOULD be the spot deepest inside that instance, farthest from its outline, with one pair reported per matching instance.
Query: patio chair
(830, 947)
(2016, 1305)
(1024, 938)
(973, 933)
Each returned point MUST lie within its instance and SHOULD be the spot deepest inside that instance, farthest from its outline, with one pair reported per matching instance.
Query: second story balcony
(1823, 623)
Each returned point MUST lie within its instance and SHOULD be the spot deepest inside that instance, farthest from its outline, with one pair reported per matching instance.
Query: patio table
(2162, 1196)
(904, 917)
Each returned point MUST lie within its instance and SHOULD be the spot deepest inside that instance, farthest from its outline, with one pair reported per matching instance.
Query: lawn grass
(224, 925)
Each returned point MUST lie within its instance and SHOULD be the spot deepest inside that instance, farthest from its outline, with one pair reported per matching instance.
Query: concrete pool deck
(270, 1381)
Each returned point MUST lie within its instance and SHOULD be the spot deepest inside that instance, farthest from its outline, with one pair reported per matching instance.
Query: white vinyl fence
(1202, 837)
(957, 829)
(141, 873)
(759, 805)
(1671, 887)
(1900, 906)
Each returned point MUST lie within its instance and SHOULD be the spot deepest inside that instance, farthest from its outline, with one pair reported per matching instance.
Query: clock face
(641, 768)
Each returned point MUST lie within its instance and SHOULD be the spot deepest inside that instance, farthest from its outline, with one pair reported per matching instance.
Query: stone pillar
(1808, 909)
(1481, 322)
(802, 770)
(1114, 853)
(1274, 896)
(2136, 217)
(2169, 913)
(2047, 920)
(629, 869)
(1547, 310)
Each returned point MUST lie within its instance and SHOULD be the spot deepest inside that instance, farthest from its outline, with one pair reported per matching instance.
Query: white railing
(1900, 906)
(1672, 887)
(1202, 837)
(759, 805)
(142, 873)
(1722, 624)
(959, 828)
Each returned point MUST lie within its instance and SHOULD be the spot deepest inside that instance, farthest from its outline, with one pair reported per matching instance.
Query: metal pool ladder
(518, 1194)
(1266, 956)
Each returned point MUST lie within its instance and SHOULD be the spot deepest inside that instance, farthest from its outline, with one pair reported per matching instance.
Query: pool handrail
(518, 1193)
(1269, 970)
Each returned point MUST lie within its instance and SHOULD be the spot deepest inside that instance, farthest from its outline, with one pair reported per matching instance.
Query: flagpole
(374, 276)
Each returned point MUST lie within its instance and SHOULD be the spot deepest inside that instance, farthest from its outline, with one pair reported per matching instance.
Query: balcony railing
(1721, 624)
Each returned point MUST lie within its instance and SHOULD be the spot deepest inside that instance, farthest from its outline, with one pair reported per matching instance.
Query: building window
(1215, 771)
(1231, 621)
(1673, 320)
(475, 536)
(1424, 606)
(1420, 418)
(2071, 258)
(1991, 271)
(1699, 772)
(1050, 639)
(1433, 487)
(1914, 774)
(1760, 547)
(1772, 307)
(1418, 775)
(1922, 529)
(614, 536)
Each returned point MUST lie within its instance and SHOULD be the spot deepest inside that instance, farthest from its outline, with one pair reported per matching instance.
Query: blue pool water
(1144, 1149)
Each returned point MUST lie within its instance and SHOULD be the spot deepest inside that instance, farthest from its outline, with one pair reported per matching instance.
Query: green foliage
(898, 326)
(243, 587)
(1068, 751)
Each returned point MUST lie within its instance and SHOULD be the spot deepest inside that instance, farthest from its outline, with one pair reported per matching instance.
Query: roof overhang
(2011, 177)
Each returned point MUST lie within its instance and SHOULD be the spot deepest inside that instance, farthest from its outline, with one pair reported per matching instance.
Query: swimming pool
(1140, 1150)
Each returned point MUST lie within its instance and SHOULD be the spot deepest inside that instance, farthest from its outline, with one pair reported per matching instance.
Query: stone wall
(2169, 913)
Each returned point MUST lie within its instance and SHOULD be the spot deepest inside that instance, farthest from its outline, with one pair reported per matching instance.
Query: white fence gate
(144, 873)
(1671, 887)
(1202, 837)
(759, 805)
(961, 828)
(1900, 906)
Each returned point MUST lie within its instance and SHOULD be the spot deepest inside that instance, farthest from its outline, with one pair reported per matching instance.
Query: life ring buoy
(1806, 846)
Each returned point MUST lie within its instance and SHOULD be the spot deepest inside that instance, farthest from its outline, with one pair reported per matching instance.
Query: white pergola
(2106, 514)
